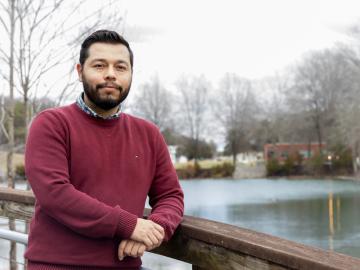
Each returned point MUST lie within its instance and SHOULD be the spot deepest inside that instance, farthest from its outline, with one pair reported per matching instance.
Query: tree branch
(5, 56)
(5, 26)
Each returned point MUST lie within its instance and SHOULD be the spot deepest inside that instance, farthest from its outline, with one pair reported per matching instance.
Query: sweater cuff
(126, 224)
(163, 224)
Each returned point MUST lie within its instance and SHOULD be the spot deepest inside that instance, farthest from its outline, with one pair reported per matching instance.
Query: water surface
(322, 213)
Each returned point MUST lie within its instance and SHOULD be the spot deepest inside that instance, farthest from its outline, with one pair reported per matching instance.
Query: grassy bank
(205, 169)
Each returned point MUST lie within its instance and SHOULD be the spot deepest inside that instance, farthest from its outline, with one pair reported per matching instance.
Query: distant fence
(213, 245)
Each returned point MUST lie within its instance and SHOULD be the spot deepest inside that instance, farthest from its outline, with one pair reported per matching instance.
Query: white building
(172, 151)
(250, 158)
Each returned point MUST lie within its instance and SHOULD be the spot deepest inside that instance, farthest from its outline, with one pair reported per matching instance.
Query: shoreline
(293, 177)
(351, 178)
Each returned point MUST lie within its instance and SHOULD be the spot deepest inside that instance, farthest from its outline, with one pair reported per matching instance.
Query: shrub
(273, 167)
(342, 160)
(315, 165)
(228, 169)
(298, 159)
(20, 170)
(225, 169)
(288, 166)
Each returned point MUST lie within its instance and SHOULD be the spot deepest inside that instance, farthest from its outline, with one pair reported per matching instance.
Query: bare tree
(282, 122)
(349, 125)
(9, 59)
(320, 81)
(154, 102)
(194, 104)
(41, 46)
(43, 38)
(235, 107)
(348, 114)
(272, 127)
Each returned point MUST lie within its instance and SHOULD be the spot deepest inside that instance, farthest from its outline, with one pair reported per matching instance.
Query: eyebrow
(104, 60)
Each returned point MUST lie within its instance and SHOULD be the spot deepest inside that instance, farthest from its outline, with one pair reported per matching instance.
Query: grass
(204, 164)
(18, 159)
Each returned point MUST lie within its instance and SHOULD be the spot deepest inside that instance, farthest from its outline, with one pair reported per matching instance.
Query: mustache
(114, 85)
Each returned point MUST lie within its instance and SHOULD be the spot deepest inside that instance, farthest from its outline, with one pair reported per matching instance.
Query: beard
(108, 102)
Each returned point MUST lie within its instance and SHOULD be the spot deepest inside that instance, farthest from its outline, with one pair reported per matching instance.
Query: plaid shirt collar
(80, 102)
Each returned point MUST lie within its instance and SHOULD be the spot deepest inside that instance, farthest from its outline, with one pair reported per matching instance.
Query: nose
(110, 73)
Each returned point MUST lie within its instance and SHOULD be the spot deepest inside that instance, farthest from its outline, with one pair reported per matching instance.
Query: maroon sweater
(91, 178)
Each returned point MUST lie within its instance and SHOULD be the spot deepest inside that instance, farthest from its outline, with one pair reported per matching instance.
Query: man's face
(106, 74)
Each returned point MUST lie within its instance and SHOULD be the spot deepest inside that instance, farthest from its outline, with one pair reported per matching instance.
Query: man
(91, 168)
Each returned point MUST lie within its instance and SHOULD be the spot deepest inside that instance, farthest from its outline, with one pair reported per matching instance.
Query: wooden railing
(213, 245)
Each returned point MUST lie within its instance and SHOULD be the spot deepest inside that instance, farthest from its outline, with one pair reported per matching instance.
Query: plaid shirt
(80, 102)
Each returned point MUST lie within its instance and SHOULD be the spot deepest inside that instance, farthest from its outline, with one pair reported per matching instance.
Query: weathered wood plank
(269, 248)
(16, 195)
(18, 204)
(16, 210)
(210, 257)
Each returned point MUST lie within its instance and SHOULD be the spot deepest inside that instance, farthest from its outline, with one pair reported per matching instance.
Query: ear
(79, 71)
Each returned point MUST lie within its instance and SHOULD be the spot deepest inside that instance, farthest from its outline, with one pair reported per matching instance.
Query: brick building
(280, 151)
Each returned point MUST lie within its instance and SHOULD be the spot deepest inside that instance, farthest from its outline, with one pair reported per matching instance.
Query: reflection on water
(331, 221)
(321, 213)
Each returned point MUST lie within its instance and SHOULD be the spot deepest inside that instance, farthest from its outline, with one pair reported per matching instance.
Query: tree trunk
(196, 154)
(27, 118)
(235, 147)
(11, 111)
(27, 115)
(355, 158)
(11, 108)
(318, 133)
(234, 154)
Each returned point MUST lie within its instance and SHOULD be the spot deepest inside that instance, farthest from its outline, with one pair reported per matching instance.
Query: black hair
(104, 36)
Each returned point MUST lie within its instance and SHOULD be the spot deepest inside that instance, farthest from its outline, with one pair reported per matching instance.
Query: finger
(135, 248)
(159, 228)
(121, 248)
(153, 239)
(158, 245)
(128, 247)
(141, 250)
(147, 241)
(158, 235)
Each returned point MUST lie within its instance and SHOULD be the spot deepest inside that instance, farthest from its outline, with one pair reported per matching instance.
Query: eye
(121, 68)
(98, 66)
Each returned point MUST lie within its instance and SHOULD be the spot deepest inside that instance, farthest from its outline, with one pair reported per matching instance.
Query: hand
(130, 248)
(148, 232)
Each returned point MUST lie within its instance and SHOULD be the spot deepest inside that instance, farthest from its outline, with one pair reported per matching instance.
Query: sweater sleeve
(166, 197)
(47, 170)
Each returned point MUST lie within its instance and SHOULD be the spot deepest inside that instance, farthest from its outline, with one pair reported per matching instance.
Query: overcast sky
(253, 38)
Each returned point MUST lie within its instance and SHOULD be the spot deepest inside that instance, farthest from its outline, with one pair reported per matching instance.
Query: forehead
(108, 52)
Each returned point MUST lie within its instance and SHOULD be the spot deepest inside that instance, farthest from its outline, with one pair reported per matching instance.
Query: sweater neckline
(98, 121)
